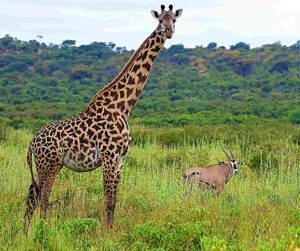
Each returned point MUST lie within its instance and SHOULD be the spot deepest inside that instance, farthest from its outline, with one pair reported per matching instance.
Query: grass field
(259, 209)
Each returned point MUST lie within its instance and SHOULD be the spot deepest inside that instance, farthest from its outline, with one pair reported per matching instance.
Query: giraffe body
(80, 147)
(100, 135)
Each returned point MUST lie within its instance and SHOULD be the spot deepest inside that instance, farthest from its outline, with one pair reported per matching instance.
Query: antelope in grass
(214, 176)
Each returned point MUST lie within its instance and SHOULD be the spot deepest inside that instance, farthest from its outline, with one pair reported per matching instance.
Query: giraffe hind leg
(39, 194)
(46, 184)
(31, 204)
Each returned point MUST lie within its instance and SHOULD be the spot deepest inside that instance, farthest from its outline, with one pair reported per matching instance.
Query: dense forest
(200, 85)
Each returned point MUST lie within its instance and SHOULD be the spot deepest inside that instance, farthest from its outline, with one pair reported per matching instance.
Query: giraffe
(99, 135)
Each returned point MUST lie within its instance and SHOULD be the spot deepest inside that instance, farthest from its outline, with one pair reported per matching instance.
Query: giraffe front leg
(111, 176)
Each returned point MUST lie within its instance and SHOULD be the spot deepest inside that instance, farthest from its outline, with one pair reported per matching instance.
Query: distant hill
(201, 85)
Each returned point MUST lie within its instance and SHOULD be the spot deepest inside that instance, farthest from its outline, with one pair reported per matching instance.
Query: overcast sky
(129, 22)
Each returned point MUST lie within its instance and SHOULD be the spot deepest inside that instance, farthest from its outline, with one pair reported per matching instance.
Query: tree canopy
(187, 85)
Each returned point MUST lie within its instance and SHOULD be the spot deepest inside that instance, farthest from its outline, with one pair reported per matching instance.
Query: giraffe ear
(178, 13)
(155, 14)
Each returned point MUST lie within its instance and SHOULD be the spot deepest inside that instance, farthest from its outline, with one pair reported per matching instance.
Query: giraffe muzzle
(169, 34)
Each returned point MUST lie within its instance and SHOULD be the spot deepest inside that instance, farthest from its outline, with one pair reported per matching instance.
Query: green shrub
(159, 235)
(264, 159)
(42, 235)
(80, 226)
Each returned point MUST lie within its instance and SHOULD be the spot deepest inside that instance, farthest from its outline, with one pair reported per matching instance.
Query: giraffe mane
(124, 70)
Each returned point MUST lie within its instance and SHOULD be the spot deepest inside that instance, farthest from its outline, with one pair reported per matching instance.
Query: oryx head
(167, 19)
(232, 162)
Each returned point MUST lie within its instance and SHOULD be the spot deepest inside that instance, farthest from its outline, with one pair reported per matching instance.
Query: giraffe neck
(120, 96)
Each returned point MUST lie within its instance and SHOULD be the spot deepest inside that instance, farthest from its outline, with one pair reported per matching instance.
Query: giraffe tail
(29, 162)
(33, 196)
(34, 189)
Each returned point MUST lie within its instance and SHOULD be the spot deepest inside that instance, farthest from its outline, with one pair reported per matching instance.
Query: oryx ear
(178, 13)
(155, 14)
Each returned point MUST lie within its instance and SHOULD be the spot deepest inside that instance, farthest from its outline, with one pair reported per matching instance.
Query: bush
(174, 233)
(81, 226)
(294, 116)
(42, 235)
(264, 159)
(171, 235)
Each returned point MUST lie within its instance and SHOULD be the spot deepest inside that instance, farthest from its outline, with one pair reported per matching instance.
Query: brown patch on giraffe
(152, 43)
(107, 101)
(120, 126)
(152, 57)
(156, 49)
(106, 112)
(110, 118)
(121, 105)
(147, 66)
(90, 133)
(131, 102)
(89, 122)
(115, 97)
(144, 55)
(121, 85)
(138, 92)
(113, 93)
(131, 81)
(116, 114)
(129, 91)
(116, 139)
(136, 67)
(111, 106)
(141, 78)
(122, 95)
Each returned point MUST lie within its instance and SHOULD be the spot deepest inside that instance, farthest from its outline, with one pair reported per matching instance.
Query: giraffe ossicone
(99, 135)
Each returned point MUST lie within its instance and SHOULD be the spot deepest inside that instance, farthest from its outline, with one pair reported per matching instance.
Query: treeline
(198, 85)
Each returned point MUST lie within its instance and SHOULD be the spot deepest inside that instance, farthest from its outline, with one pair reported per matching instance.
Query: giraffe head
(167, 19)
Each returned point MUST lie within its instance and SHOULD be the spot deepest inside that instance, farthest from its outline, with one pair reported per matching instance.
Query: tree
(120, 50)
(296, 45)
(211, 46)
(240, 46)
(80, 72)
(294, 116)
(176, 49)
(111, 45)
(68, 43)
(243, 67)
(280, 67)
(34, 45)
(6, 40)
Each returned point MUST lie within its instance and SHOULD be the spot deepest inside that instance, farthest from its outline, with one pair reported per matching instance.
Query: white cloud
(128, 22)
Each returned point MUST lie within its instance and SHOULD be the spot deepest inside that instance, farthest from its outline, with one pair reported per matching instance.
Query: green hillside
(199, 85)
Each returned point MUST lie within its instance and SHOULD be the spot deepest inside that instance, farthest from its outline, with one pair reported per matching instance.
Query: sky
(128, 22)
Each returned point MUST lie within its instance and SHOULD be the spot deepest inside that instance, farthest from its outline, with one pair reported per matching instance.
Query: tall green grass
(259, 209)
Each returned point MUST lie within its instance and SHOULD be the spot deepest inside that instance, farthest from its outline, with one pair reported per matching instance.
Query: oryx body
(214, 176)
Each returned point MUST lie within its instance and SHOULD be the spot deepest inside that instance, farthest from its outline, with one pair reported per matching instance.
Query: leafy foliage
(199, 85)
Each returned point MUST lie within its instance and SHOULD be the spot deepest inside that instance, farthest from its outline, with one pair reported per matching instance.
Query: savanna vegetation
(195, 100)
(259, 208)
(201, 85)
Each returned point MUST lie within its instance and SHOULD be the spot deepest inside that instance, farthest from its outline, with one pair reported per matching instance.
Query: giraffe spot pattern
(99, 136)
